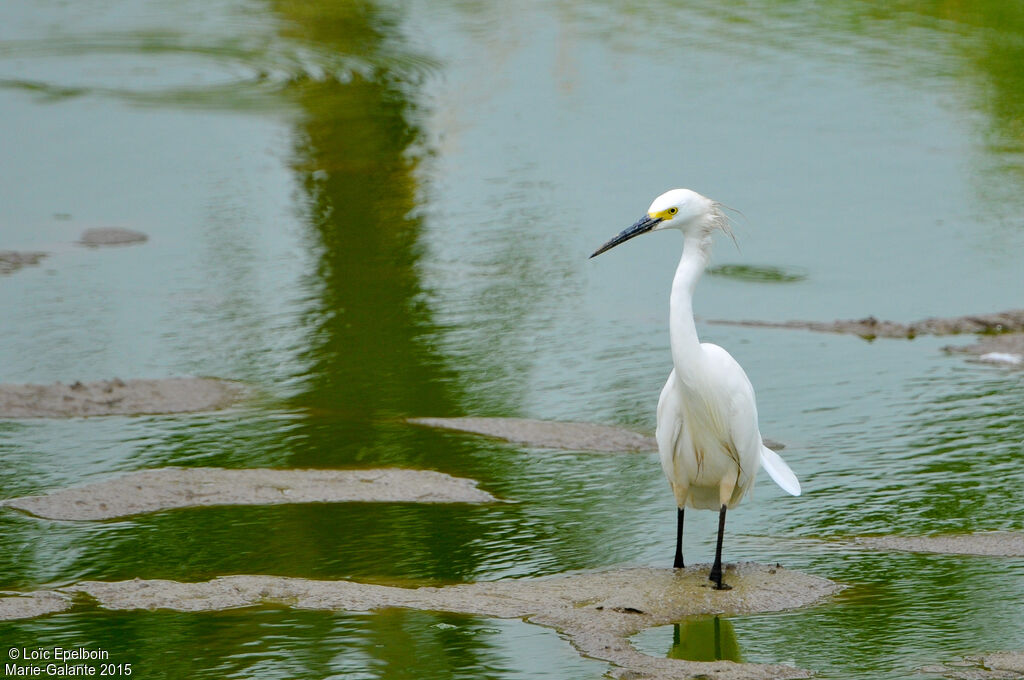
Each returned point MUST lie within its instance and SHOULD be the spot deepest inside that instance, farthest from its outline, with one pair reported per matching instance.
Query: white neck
(682, 331)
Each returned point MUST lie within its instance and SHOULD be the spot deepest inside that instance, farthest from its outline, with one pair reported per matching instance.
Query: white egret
(708, 437)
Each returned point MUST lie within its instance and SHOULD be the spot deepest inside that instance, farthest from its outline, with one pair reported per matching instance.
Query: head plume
(719, 220)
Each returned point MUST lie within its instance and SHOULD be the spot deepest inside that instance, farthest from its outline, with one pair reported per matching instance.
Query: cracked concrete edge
(147, 491)
(597, 612)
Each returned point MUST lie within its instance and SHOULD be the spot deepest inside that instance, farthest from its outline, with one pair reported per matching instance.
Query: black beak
(641, 226)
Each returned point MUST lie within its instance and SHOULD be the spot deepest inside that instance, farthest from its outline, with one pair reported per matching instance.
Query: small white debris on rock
(1002, 358)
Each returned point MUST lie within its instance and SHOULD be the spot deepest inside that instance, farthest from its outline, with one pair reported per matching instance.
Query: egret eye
(673, 211)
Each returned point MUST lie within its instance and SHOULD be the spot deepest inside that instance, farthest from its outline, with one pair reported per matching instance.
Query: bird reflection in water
(705, 639)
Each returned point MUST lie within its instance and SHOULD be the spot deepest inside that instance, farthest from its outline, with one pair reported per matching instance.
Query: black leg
(716, 569)
(678, 563)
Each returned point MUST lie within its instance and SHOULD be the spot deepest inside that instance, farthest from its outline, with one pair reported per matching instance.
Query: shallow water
(376, 211)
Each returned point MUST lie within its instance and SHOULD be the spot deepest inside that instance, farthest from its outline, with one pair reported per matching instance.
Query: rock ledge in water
(549, 434)
(998, 544)
(15, 605)
(12, 260)
(117, 397)
(597, 612)
(1005, 350)
(995, 666)
(111, 236)
(170, 488)
(1010, 321)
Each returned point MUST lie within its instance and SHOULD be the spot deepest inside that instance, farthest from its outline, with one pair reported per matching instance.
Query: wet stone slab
(117, 397)
(995, 666)
(597, 612)
(549, 434)
(111, 236)
(12, 260)
(996, 544)
(1005, 350)
(170, 488)
(14, 605)
(1010, 321)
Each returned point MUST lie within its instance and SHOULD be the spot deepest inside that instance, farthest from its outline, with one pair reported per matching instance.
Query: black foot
(716, 577)
(678, 563)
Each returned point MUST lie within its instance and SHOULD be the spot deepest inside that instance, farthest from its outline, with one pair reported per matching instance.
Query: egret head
(681, 209)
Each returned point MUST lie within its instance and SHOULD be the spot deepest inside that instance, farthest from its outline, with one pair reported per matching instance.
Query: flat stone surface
(170, 488)
(111, 236)
(1010, 321)
(995, 666)
(117, 397)
(548, 434)
(12, 260)
(15, 605)
(597, 612)
(999, 544)
(555, 435)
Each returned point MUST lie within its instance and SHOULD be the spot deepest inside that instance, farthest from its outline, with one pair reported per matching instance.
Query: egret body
(708, 438)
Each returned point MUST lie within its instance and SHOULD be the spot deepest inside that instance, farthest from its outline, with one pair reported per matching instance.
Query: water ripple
(167, 68)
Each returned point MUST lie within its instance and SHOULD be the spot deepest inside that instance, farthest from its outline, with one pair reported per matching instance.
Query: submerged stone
(12, 260)
(15, 605)
(117, 397)
(1006, 350)
(597, 612)
(759, 273)
(1010, 321)
(111, 236)
(550, 434)
(170, 488)
(998, 544)
(995, 666)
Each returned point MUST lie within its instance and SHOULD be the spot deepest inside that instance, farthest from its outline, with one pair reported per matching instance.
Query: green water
(369, 211)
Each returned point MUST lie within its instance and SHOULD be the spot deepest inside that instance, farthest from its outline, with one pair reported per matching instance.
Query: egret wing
(670, 425)
(734, 398)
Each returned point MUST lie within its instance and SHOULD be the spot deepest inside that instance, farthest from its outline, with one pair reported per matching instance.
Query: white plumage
(708, 436)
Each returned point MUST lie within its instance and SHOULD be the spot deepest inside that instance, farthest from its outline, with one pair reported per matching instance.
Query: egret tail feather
(779, 471)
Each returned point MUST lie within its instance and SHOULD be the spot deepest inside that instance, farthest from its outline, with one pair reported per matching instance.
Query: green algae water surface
(368, 211)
